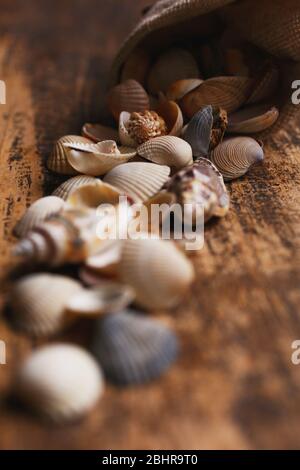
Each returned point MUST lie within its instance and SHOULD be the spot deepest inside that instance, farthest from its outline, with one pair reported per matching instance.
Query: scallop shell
(91, 196)
(133, 348)
(61, 382)
(98, 132)
(39, 211)
(167, 150)
(177, 90)
(158, 272)
(136, 66)
(174, 64)
(128, 96)
(58, 161)
(68, 187)
(228, 93)
(234, 157)
(252, 119)
(138, 180)
(98, 159)
(38, 302)
(107, 297)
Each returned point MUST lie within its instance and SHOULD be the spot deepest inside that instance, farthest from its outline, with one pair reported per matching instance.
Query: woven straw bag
(272, 25)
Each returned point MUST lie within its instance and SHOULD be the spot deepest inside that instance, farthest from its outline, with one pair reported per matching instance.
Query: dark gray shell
(133, 348)
(198, 131)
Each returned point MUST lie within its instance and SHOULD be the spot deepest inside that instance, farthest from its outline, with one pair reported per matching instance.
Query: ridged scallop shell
(252, 119)
(234, 157)
(167, 150)
(61, 382)
(136, 66)
(38, 303)
(58, 161)
(92, 195)
(39, 211)
(174, 64)
(138, 180)
(177, 90)
(107, 297)
(133, 348)
(98, 159)
(228, 93)
(98, 132)
(128, 96)
(66, 189)
(158, 272)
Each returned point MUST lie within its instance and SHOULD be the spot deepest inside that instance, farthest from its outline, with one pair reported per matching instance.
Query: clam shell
(234, 157)
(174, 64)
(252, 119)
(91, 196)
(139, 180)
(61, 382)
(107, 297)
(128, 96)
(198, 131)
(38, 303)
(177, 90)
(39, 211)
(132, 348)
(158, 272)
(98, 132)
(58, 161)
(172, 115)
(167, 150)
(136, 66)
(98, 159)
(106, 260)
(66, 189)
(228, 93)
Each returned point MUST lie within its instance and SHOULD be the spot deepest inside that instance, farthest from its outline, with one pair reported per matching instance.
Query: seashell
(106, 260)
(137, 128)
(98, 132)
(200, 188)
(177, 90)
(174, 64)
(129, 96)
(172, 115)
(133, 348)
(61, 382)
(136, 66)
(228, 93)
(158, 272)
(58, 161)
(38, 303)
(167, 150)
(139, 180)
(107, 297)
(39, 211)
(98, 159)
(265, 85)
(165, 201)
(252, 119)
(92, 195)
(234, 157)
(66, 189)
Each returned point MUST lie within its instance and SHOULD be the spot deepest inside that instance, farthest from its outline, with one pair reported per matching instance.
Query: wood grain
(234, 385)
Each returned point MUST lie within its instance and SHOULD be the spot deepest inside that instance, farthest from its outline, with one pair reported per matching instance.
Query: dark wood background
(234, 385)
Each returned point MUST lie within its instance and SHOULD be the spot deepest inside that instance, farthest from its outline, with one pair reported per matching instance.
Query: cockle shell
(158, 272)
(38, 303)
(133, 348)
(39, 211)
(180, 88)
(129, 96)
(228, 93)
(252, 119)
(139, 180)
(98, 132)
(174, 64)
(172, 115)
(234, 157)
(136, 66)
(66, 189)
(167, 150)
(58, 161)
(107, 297)
(98, 159)
(205, 130)
(92, 195)
(61, 382)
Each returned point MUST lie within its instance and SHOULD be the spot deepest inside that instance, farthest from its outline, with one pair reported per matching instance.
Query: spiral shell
(137, 128)
(167, 150)
(98, 132)
(252, 119)
(129, 96)
(58, 161)
(61, 382)
(68, 187)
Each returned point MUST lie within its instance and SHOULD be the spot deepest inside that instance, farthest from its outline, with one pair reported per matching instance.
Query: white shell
(58, 161)
(61, 382)
(68, 187)
(138, 179)
(39, 211)
(107, 258)
(167, 150)
(123, 132)
(92, 195)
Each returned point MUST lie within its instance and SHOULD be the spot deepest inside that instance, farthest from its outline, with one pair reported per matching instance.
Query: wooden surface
(234, 385)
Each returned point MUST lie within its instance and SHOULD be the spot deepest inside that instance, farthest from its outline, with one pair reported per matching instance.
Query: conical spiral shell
(167, 150)
(68, 187)
(128, 96)
(58, 161)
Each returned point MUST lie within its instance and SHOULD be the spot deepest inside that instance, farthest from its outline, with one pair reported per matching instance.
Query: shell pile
(183, 125)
